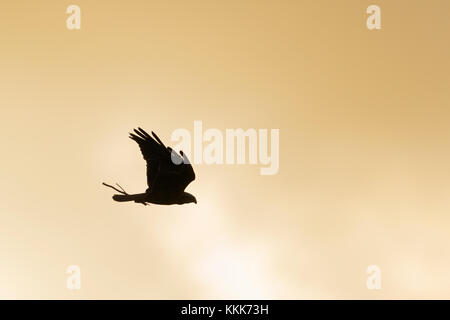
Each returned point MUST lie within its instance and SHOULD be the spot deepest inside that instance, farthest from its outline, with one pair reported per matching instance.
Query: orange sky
(364, 148)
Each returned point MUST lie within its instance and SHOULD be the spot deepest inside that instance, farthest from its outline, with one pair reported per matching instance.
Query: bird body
(148, 197)
(168, 173)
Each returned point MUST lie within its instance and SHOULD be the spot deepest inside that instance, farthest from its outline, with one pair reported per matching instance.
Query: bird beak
(195, 201)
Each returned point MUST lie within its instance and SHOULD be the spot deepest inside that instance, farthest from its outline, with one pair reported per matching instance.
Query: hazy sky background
(364, 148)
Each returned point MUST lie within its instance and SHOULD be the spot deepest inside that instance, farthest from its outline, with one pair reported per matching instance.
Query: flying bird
(168, 173)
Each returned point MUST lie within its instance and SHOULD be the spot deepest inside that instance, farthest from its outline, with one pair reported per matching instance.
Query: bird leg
(122, 191)
(121, 188)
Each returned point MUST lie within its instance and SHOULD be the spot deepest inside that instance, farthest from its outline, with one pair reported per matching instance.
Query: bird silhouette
(168, 173)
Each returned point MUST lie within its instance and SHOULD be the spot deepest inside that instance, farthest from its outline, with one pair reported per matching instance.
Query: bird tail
(129, 197)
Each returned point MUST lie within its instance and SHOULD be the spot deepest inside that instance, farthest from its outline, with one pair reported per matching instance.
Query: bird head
(186, 197)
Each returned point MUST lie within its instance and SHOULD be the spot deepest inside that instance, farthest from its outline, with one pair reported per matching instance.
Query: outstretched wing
(167, 171)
